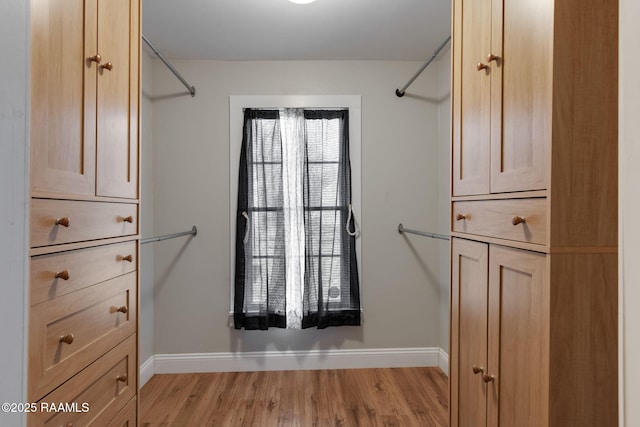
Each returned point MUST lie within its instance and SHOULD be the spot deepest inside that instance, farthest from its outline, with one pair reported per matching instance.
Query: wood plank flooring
(398, 397)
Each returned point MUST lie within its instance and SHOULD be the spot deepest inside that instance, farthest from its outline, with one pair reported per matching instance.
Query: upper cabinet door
(471, 97)
(502, 95)
(521, 94)
(84, 98)
(118, 99)
(63, 97)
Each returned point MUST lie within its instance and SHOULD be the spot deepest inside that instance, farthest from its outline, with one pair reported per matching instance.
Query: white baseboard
(292, 360)
(147, 370)
(443, 362)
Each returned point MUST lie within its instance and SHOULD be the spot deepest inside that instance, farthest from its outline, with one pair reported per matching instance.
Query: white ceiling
(280, 30)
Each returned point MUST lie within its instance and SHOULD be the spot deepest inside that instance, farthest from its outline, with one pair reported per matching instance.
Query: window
(295, 255)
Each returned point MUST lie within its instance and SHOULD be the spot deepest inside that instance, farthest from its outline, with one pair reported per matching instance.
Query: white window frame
(237, 104)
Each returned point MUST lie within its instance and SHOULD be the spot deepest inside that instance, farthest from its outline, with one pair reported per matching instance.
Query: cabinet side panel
(584, 175)
(584, 357)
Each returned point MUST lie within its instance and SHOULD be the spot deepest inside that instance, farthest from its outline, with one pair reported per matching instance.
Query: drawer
(503, 219)
(97, 394)
(54, 222)
(68, 333)
(128, 417)
(59, 274)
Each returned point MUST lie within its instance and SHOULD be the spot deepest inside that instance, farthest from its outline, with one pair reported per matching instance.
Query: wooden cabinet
(534, 213)
(504, 104)
(501, 336)
(84, 98)
(525, 327)
(526, 92)
(84, 230)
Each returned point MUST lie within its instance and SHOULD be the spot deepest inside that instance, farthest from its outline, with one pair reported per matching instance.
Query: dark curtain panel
(331, 294)
(259, 300)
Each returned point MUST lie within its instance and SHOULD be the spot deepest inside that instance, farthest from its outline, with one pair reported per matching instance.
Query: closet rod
(192, 89)
(192, 232)
(401, 230)
(400, 92)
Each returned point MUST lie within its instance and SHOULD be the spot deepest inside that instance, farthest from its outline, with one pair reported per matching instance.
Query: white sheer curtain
(293, 155)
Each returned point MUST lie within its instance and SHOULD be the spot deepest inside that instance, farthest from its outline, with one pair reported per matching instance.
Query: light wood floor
(402, 397)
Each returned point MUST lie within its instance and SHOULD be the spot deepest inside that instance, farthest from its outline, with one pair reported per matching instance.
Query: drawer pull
(96, 58)
(128, 258)
(487, 378)
(518, 220)
(64, 275)
(122, 309)
(492, 57)
(477, 369)
(67, 339)
(460, 217)
(64, 221)
(482, 66)
(128, 219)
(122, 378)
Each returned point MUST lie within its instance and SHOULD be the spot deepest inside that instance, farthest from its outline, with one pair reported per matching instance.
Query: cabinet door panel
(117, 145)
(521, 94)
(469, 332)
(471, 103)
(63, 83)
(518, 348)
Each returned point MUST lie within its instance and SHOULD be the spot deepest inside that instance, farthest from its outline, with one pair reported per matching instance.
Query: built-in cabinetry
(534, 213)
(84, 229)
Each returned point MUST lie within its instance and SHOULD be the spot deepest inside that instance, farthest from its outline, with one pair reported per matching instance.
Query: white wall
(444, 194)
(629, 207)
(401, 292)
(145, 334)
(13, 205)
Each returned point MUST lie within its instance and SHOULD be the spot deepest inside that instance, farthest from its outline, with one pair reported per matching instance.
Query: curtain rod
(192, 232)
(401, 230)
(191, 88)
(400, 92)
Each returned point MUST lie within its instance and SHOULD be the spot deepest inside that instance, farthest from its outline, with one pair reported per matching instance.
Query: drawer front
(68, 333)
(59, 274)
(128, 417)
(97, 394)
(524, 220)
(54, 222)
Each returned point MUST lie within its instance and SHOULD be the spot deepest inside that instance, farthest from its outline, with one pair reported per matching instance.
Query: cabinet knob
(96, 58)
(518, 220)
(477, 369)
(492, 57)
(64, 275)
(128, 258)
(482, 66)
(128, 219)
(107, 66)
(64, 221)
(487, 378)
(67, 339)
(122, 378)
(122, 309)
(460, 217)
